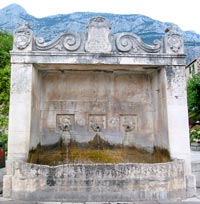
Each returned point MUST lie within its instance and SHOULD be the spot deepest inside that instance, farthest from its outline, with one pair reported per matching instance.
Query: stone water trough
(81, 84)
(99, 182)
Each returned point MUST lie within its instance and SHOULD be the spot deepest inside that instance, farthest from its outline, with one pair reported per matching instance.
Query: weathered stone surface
(98, 102)
(116, 182)
(191, 185)
(7, 186)
(196, 171)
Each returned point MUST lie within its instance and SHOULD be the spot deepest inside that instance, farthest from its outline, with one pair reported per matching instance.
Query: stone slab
(193, 201)
(181, 202)
(46, 202)
(17, 202)
(146, 202)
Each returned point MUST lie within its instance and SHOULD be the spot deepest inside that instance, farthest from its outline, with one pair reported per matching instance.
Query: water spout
(65, 128)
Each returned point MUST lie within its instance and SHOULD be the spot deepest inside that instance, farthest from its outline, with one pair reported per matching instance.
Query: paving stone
(46, 202)
(181, 202)
(122, 202)
(17, 202)
(146, 202)
(72, 203)
(97, 203)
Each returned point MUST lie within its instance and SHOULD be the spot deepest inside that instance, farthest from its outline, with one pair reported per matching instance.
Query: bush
(193, 95)
(195, 134)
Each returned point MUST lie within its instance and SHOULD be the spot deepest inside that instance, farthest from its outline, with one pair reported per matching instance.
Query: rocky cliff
(51, 26)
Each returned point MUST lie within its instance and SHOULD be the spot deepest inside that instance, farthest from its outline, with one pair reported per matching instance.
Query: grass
(95, 151)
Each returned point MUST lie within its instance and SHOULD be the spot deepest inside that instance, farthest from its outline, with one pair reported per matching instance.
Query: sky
(184, 13)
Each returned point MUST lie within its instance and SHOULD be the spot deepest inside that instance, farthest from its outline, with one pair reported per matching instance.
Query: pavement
(192, 201)
(195, 157)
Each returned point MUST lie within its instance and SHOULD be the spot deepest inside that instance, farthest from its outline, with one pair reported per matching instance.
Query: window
(191, 69)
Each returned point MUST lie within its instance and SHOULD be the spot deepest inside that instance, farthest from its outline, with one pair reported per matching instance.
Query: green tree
(6, 41)
(5, 47)
(193, 94)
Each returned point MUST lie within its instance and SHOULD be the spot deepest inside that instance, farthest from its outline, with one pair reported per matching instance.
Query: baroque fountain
(97, 84)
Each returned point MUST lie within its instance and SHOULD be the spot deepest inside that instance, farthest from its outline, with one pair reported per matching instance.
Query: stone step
(195, 201)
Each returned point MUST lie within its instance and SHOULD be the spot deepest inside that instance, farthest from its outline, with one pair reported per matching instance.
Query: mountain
(51, 26)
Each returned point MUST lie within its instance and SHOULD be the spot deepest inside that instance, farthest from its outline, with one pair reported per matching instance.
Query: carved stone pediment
(98, 39)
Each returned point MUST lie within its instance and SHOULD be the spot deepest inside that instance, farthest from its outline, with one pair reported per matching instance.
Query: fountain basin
(99, 182)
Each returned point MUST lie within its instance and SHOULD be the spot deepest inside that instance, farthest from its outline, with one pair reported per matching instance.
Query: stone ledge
(195, 146)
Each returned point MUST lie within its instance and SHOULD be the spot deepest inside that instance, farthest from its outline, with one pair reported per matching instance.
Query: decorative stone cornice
(98, 39)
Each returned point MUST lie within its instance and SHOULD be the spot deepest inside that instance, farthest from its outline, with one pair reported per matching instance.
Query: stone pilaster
(178, 127)
(20, 111)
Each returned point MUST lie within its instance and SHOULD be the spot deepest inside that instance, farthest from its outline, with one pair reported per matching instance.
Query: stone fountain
(80, 84)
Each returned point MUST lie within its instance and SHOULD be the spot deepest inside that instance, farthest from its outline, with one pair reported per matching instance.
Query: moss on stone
(95, 151)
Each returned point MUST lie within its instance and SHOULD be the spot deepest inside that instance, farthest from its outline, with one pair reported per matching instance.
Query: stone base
(7, 186)
(98, 182)
(196, 172)
(191, 185)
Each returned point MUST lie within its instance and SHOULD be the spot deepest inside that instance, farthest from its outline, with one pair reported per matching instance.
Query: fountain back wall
(117, 105)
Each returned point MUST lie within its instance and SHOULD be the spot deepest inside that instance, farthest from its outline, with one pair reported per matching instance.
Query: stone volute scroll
(98, 36)
(173, 41)
(67, 41)
(131, 43)
(23, 37)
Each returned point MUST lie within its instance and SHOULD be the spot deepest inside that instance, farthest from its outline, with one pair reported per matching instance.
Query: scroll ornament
(67, 41)
(129, 42)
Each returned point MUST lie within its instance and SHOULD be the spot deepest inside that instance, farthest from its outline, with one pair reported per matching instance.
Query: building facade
(192, 68)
